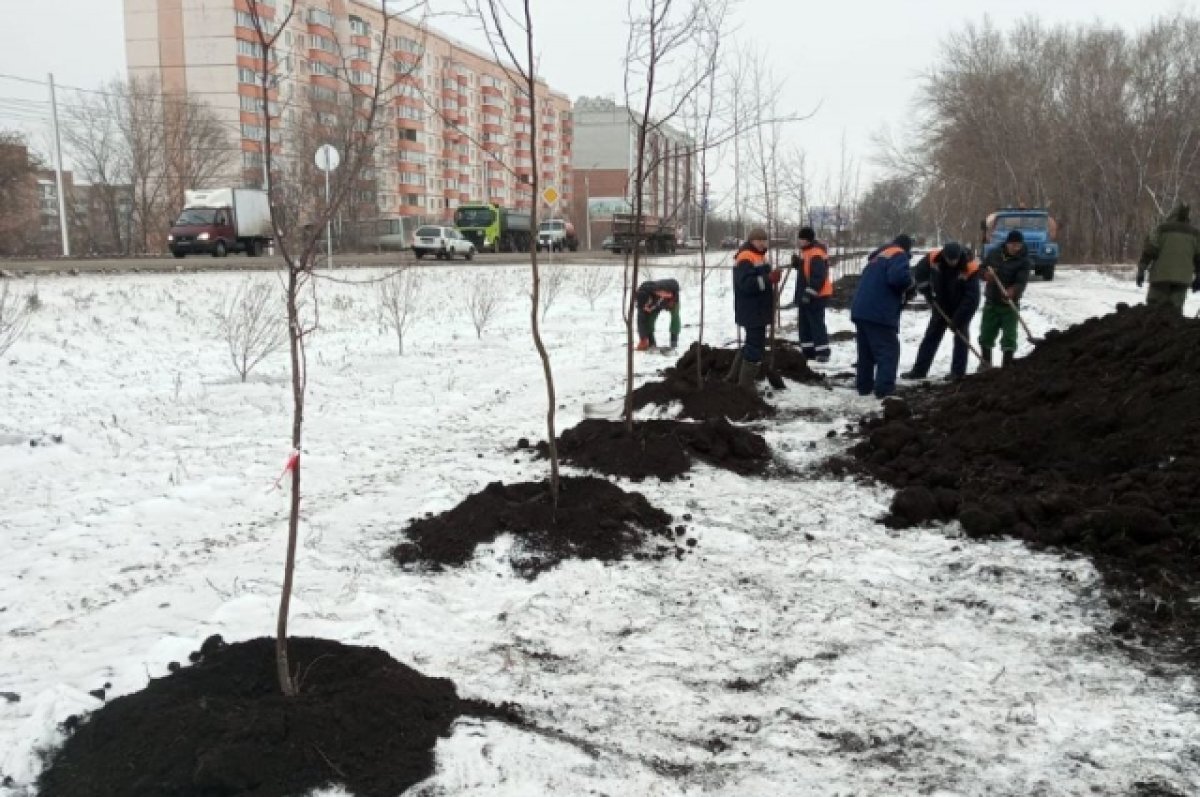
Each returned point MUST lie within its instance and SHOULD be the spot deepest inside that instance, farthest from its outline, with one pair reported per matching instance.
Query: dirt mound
(715, 398)
(1092, 442)
(222, 727)
(595, 519)
(662, 449)
(789, 362)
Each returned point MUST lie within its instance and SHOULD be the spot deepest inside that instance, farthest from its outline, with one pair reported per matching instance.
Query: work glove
(643, 344)
(1196, 284)
(775, 276)
(1012, 293)
(1141, 277)
(806, 299)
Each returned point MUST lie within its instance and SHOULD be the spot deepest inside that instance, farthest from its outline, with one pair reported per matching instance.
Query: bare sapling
(14, 317)
(511, 37)
(299, 214)
(593, 283)
(251, 325)
(554, 280)
(400, 302)
(483, 300)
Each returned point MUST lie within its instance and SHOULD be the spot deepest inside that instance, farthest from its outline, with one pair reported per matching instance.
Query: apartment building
(604, 166)
(454, 128)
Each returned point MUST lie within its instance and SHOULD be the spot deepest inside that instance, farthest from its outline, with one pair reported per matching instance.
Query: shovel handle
(1013, 305)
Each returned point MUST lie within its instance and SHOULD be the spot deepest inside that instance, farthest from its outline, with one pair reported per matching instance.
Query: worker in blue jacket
(754, 281)
(875, 312)
(948, 278)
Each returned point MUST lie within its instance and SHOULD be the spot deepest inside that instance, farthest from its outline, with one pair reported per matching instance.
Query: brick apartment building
(425, 166)
(604, 165)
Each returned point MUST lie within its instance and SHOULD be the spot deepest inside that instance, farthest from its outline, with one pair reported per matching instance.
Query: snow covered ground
(804, 649)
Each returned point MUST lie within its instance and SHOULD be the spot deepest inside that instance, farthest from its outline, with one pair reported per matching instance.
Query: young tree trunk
(296, 345)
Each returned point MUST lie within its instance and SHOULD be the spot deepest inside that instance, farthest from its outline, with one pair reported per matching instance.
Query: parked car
(693, 243)
(730, 242)
(442, 242)
(610, 245)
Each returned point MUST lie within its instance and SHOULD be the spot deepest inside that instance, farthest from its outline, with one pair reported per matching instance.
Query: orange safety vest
(755, 258)
(891, 251)
(968, 272)
(807, 256)
(660, 299)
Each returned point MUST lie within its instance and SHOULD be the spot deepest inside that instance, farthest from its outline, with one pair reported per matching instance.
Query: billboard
(603, 207)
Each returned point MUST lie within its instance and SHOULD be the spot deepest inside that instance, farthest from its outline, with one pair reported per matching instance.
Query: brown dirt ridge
(1091, 443)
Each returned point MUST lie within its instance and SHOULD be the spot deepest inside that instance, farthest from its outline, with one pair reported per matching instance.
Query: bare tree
(660, 78)
(365, 93)
(400, 302)
(140, 147)
(251, 325)
(704, 112)
(593, 283)
(14, 317)
(484, 298)
(511, 36)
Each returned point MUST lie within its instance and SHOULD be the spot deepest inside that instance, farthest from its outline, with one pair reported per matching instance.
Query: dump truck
(493, 228)
(653, 235)
(1037, 226)
(557, 235)
(218, 221)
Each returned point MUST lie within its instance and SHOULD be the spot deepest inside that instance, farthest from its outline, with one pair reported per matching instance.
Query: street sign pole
(328, 159)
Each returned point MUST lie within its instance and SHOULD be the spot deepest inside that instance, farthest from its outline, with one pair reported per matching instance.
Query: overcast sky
(860, 61)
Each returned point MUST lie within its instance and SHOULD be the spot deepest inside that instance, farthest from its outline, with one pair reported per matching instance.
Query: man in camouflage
(1172, 257)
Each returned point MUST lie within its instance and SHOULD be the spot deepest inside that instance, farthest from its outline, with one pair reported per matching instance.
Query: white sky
(860, 60)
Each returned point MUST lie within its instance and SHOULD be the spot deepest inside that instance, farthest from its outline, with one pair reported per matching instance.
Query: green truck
(493, 228)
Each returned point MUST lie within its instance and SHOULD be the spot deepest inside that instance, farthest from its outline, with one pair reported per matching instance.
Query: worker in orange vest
(814, 286)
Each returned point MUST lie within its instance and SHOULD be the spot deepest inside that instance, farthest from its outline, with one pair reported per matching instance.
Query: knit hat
(758, 234)
(1014, 237)
(806, 234)
(903, 241)
(952, 252)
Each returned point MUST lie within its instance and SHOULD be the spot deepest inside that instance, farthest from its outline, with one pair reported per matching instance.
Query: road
(119, 265)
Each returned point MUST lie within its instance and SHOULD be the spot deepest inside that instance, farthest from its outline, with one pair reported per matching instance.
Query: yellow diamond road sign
(550, 195)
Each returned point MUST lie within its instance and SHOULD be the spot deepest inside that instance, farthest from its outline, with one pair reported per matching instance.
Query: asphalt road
(118, 265)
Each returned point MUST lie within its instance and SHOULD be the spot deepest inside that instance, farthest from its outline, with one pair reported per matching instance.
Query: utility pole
(63, 223)
(587, 210)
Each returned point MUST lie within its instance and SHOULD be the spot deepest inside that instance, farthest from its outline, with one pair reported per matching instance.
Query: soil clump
(221, 727)
(595, 519)
(662, 449)
(1091, 443)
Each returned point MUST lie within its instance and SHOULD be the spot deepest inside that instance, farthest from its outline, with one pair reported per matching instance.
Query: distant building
(425, 165)
(604, 166)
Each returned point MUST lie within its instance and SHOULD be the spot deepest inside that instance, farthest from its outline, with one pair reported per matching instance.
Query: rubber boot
(748, 375)
(1008, 358)
(735, 369)
(987, 360)
(642, 344)
(912, 375)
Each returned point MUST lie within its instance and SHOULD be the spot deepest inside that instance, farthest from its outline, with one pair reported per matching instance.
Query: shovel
(959, 333)
(1012, 304)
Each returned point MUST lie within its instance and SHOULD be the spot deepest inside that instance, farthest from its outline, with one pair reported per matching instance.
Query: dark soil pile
(221, 727)
(715, 398)
(662, 450)
(1091, 443)
(789, 362)
(595, 519)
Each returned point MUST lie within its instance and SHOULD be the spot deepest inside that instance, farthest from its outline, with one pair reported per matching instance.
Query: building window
(359, 27)
(322, 68)
(247, 76)
(252, 132)
(412, 200)
(319, 16)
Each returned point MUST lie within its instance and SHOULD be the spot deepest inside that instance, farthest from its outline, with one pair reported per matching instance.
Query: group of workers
(951, 279)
